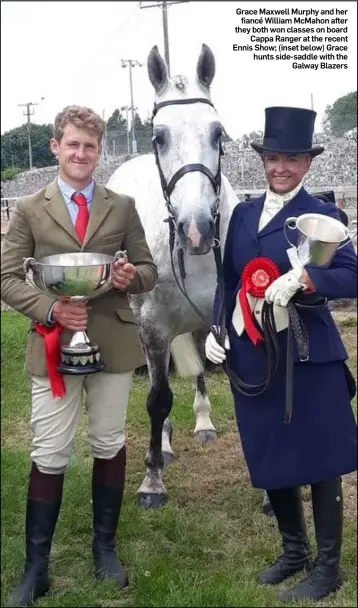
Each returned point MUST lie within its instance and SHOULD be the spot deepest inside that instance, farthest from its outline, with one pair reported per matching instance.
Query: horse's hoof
(168, 458)
(151, 501)
(205, 436)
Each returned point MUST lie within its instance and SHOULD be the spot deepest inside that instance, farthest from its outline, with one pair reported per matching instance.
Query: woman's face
(284, 172)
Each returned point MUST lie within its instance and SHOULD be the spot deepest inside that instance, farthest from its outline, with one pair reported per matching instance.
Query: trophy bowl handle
(350, 235)
(120, 255)
(29, 263)
(290, 223)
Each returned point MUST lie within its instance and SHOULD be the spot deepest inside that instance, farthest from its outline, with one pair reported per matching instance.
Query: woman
(316, 443)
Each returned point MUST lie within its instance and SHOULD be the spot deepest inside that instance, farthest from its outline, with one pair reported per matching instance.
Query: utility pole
(311, 101)
(104, 154)
(164, 5)
(131, 63)
(165, 32)
(28, 113)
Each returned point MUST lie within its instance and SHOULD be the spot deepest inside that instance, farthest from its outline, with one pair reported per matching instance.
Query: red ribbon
(52, 353)
(256, 277)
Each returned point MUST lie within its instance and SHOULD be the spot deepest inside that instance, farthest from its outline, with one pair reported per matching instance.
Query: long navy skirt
(319, 443)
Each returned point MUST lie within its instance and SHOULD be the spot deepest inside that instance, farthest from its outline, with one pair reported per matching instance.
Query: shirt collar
(67, 190)
(281, 199)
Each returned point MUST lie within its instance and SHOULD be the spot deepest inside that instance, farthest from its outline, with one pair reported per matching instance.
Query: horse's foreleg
(152, 493)
(204, 428)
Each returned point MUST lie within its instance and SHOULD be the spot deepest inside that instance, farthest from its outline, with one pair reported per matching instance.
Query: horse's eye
(216, 134)
(159, 139)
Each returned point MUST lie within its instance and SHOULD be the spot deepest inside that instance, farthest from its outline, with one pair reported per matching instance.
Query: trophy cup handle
(292, 221)
(27, 264)
(350, 235)
(120, 255)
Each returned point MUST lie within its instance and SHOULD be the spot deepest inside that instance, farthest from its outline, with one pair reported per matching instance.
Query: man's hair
(82, 118)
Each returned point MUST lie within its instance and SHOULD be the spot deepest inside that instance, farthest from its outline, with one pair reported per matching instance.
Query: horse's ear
(205, 68)
(157, 70)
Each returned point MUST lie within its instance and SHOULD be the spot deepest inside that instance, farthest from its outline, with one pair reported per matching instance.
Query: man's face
(284, 172)
(78, 153)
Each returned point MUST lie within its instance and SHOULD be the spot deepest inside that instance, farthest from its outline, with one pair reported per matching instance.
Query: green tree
(116, 121)
(15, 149)
(117, 134)
(143, 134)
(342, 115)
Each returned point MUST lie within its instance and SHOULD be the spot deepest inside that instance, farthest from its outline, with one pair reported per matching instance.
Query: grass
(204, 548)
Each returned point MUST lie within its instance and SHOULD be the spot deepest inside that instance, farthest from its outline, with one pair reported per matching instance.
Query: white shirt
(67, 191)
(274, 203)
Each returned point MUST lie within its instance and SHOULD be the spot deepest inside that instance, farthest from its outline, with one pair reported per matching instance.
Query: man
(76, 214)
(315, 443)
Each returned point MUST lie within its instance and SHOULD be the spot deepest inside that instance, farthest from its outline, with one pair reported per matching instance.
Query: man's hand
(71, 314)
(123, 274)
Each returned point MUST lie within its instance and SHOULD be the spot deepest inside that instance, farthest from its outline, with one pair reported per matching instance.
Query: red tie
(82, 215)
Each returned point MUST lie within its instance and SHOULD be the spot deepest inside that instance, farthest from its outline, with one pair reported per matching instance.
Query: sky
(70, 53)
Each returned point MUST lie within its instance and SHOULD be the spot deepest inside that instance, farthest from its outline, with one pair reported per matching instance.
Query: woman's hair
(82, 118)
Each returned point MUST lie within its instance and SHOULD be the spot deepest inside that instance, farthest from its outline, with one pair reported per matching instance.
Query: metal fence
(6, 206)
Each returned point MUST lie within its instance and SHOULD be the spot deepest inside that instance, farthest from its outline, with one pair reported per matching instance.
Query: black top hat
(289, 131)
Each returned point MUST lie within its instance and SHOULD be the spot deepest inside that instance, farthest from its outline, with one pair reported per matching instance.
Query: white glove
(214, 352)
(284, 288)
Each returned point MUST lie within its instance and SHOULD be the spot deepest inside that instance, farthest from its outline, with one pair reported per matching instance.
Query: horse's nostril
(206, 227)
(182, 228)
(196, 230)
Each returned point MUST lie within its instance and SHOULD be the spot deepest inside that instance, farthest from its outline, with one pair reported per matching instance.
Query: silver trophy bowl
(79, 277)
(319, 237)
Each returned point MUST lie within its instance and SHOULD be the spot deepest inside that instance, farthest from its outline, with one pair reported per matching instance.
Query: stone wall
(32, 181)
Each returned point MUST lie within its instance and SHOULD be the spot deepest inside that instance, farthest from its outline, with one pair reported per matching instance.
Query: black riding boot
(325, 577)
(43, 507)
(107, 493)
(287, 506)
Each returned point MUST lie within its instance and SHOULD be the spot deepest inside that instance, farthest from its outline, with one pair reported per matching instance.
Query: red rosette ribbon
(51, 336)
(256, 277)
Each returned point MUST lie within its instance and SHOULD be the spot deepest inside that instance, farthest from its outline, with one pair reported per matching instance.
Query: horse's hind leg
(167, 449)
(152, 493)
(204, 428)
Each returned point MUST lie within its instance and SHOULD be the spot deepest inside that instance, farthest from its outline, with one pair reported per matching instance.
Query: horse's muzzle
(196, 237)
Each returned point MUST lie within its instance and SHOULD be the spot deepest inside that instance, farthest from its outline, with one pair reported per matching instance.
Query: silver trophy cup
(75, 276)
(319, 237)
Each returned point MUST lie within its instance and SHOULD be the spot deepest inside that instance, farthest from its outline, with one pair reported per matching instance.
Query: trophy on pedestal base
(78, 277)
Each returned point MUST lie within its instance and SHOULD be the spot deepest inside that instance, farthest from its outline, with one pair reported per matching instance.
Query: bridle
(167, 189)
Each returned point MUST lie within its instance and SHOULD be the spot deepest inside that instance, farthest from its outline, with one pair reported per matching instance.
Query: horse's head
(187, 144)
